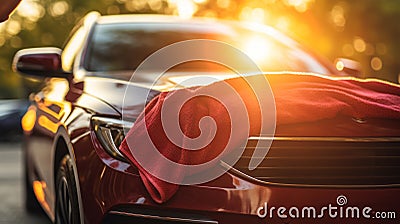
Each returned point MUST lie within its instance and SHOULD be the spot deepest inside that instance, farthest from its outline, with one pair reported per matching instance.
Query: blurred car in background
(11, 112)
(73, 126)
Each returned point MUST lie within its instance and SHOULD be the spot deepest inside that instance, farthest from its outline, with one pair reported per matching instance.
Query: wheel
(67, 207)
(32, 205)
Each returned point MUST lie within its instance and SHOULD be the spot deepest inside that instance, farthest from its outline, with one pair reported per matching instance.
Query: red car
(76, 173)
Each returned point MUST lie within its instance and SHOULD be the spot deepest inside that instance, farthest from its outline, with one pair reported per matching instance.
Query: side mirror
(43, 62)
(349, 67)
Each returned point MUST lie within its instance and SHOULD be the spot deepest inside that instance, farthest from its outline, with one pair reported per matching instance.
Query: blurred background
(364, 30)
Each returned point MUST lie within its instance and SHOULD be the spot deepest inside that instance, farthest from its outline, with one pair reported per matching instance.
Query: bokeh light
(186, 8)
(155, 5)
(58, 8)
(376, 63)
(337, 17)
(113, 9)
(359, 44)
(299, 5)
(31, 10)
(13, 27)
(340, 65)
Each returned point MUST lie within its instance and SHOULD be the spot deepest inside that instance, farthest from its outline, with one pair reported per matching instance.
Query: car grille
(326, 161)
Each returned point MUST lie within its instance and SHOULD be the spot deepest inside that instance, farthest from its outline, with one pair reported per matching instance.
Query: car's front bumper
(112, 192)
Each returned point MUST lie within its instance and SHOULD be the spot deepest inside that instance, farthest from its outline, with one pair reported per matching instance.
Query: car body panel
(115, 183)
(57, 109)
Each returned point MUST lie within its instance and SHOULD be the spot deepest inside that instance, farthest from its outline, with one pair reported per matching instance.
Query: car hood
(113, 91)
(130, 104)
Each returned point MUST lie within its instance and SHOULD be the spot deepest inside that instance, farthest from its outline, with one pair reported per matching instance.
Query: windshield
(122, 47)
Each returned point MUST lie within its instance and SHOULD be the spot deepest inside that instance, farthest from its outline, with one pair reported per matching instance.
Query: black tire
(67, 207)
(32, 205)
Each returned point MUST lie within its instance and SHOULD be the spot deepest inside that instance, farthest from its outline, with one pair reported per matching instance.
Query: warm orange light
(223, 4)
(28, 120)
(38, 190)
(254, 15)
(348, 50)
(200, 1)
(186, 8)
(45, 108)
(38, 187)
(48, 124)
(299, 5)
(257, 48)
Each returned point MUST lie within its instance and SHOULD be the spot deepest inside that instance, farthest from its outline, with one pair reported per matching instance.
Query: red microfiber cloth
(299, 98)
(306, 98)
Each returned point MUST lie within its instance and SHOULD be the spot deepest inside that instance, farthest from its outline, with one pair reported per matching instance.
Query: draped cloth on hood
(299, 98)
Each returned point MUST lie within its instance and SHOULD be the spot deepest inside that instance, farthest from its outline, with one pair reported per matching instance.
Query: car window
(118, 47)
(125, 46)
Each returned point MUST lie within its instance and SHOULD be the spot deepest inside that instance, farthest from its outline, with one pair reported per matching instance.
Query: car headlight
(110, 133)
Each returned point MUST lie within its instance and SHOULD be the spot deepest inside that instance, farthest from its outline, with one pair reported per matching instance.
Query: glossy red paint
(107, 184)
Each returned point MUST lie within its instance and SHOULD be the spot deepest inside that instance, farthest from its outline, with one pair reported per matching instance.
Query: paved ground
(11, 187)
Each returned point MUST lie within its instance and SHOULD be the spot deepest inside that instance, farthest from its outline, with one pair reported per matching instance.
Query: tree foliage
(365, 30)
